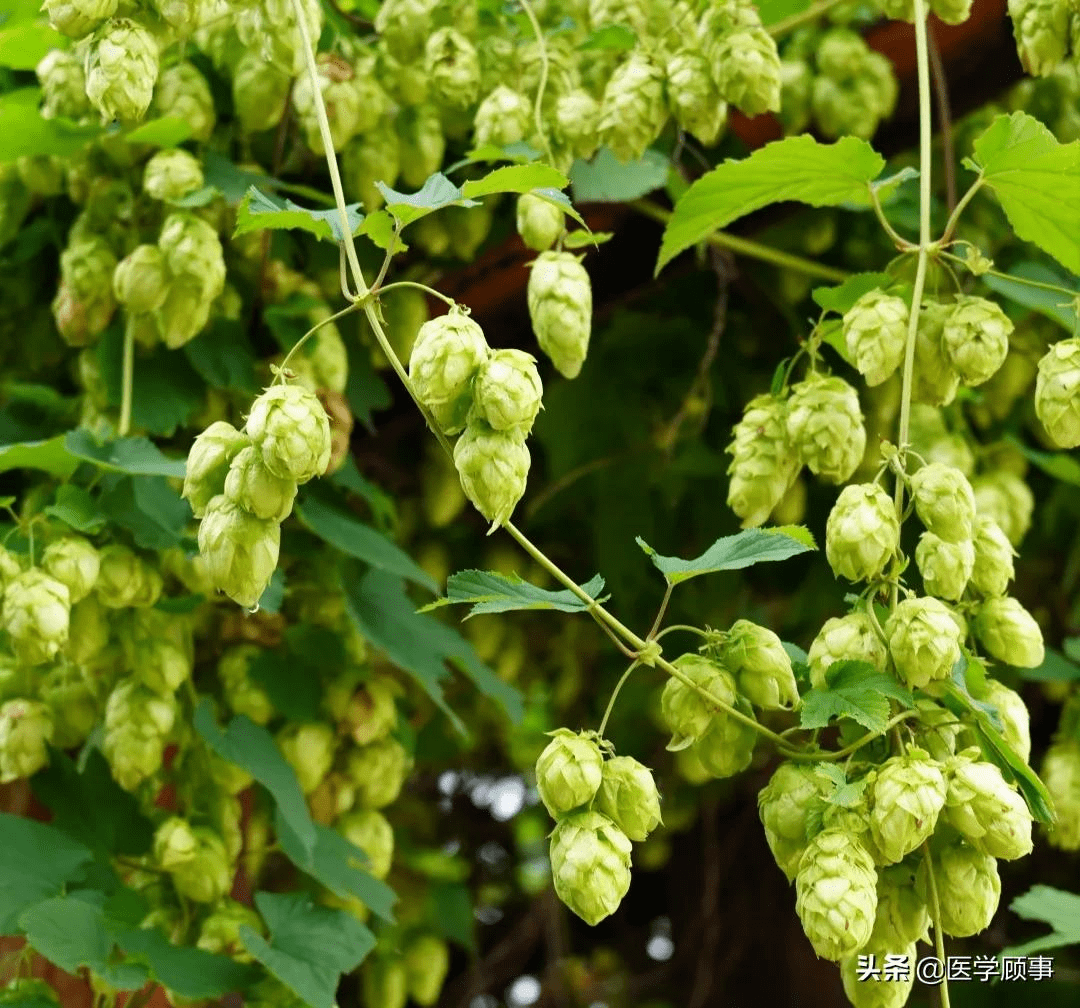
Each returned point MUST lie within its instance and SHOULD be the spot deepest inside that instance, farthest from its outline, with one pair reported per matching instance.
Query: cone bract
(945, 566)
(1014, 716)
(1057, 393)
(990, 813)
(968, 888)
(761, 666)
(292, 431)
(845, 638)
(875, 331)
(507, 391)
(862, 533)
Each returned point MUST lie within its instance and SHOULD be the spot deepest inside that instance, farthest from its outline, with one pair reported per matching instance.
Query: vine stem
(538, 105)
(312, 331)
(127, 380)
(935, 907)
(954, 217)
(614, 693)
(419, 286)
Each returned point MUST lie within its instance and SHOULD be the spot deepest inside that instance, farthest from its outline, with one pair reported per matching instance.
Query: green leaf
(52, 456)
(310, 946)
(338, 865)
(29, 994)
(23, 133)
(1053, 305)
(258, 210)
(379, 227)
(222, 356)
(515, 179)
(78, 508)
(353, 538)
(37, 862)
(579, 239)
(297, 696)
(841, 299)
(856, 690)
(24, 46)
(365, 392)
(381, 503)
(1059, 909)
(249, 746)
(1054, 668)
(605, 179)
(1037, 181)
(450, 909)
(436, 192)
(274, 593)
(189, 972)
(1060, 465)
(490, 592)
(618, 38)
(164, 132)
(149, 508)
(796, 168)
(772, 11)
(135, 456)
(744, 549)
(231, 181)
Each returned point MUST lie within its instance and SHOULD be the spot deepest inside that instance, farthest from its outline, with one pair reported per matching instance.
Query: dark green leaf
(1053, 305)
(605, 179)
(251, 747)
(1060, 465)
(274, 593)
(165, 132)
(381, 503)
(77, 507)
(24, 46)
(52, 456)
(295, 696)
(290, 320)
(365, 392)
(223, 357)
(258, 210)
(436, 192)
(149, 508)
(490, 592)
(23, 133)
(856, 690)
(232, 182)
(450, 908)
(841, 298)
(189, 972)
(180, 604)
(744, 549)
(28, 993)
(133, 455)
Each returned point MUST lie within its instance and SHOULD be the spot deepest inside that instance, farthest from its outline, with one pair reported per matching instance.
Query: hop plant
(568, 772)
(1061, 774)
(84, 302)
(1005, 497)
(452, 67)
(508, 393)
(63, 85)
(444, 362)
(260, 92)
(908, 793)
(993, 567)
(875, 332)
(628, 797)
(421, 143)
(385, 982)
(1057, 393)
(182, 92)
(309, 749)
(75, 563)
(902, 917)
(121, 69)
(36, 611)
(727, 746)
(503, 118)
(862, 533)
(560, 307)
(290, 428)
(632, 111)
(350, 100)
(989, 813)
(577, 122)
(945, 567)
(935, 379)
(494, 467)
(890, 991)
(220, 931)
(26, 729)
(72, 702)
(240, 550)
(369, 830)
(172, 174)
(975, 338)
(944, 501)
(427, 961)
(1041, 28)
(761, 666)
(252, 485)
(590, 865)
(378, 770)
(125, 579)
(845, 638)
(825, 427)
(836, 894)
(1013, 712)
(746, 68)
(208, 464)
(137, 721)
(785, 805)
(764, 464)
(968, 887)
(693, 97)
(373, 157)
(686, 712)
(924, 640)
(140, 281)
(1009, 632)
(207, 876)
(174, 843)
(539, 222)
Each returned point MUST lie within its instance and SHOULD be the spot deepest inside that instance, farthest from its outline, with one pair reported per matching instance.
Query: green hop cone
(309, 749)
(1057, 393)
(507, 391)
(796, 83)
(139, 281)
(845, 638)
(158, 648)
(36, 614)
(761, 666)
(975, 338)
(887, 990)
(63, 85)
(404, 24)
(26, 729)
(875, 332)
(75, 563)
(174, 843)
(784, 805)
(685, 711)
(240, 550)
(825, 427)
(427, 961)
(836, 894)
(746, 68)
(539, 222)
(347, 97)
(560, 307)
(727, 747)
(503, 118)
(385, 982)
(421, 142)
(763, 463)
(292, 431)
(444, 362)
(693, 97)
(373, 157)
(70, 696)
(137, 720)
(862, 533)
(633, 111)
(952, 12)
(125, 579)
(84, 301)
(208, 464)
(1009, 632)
(207, 877)
(568, 771)
(902, 917)
(924, 641)
(369, 830)
(1005, 497)
(378, 771)
(452, 67)
(935, 379)
(494, 468)
(1015, 721)
(590, 865)
(182, 92)
(220, 931)
(908, 794)
(172, 174)
(577, 122)
(968, 887)
(1041, 28)
(945, 567)
(628, 797)
(1061, 775)
(260, 92)
(256, 489)
(121, 69)
(945, 501)
(990, 813)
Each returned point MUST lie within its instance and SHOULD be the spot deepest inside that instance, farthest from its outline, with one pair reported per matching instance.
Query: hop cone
(577, 122)
(121, 69)
(1009, 633)
(174, 843)
(945, 567)
(693, 97)
(746, 68)
(309, 749)
(989, 813)
(508, 391)
(784, 805)
(427, 961)
(924, 641)
(240, 550)
(72, 702)
(1061, 774)
(220, 931)
(445, 359)
(632, 111)
(993, 567)
(183, 93)
(75, 563)
(421, 142)
(686, 712)
(908, 794)
(292, 432)
(1057, 393)
(256, 489)
(1041, 28)
(494, 468)
(952, 12)
(884, 991)
(453, 68)
(137, 720)
(968, 888)
(796, 83)
(539, 222)
(373, 157)
(403, 25)
(260, 92)
(208, 464)
(902, 917)
(845, 638)
(26, 729)
(378, 770)
(762, 668)
(158, 648)
(875, 331)
(1014, 716)
(172, 174)
(1005, 497)
(590, 865)
(84, 301)
(862, 532)
(560, 307)
(369, 830)
(206, 878)
(836, 894)
(503, 118)
(140, 282)
(353, 102)
(125, 579)
(63, 85)
(727, 747)
(936, 381)
(764, 464)
(825, 427)
(36, 612)
(628, 797)
(975, 338)
(568, 771)
(945, 501)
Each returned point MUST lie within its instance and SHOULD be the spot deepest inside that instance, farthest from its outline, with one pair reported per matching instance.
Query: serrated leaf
(796, 653)
(436, 192)
(229, 179)
(381, 503)
(353, 538)
(163, 132)
(189, 972)
(310, 946)
(24, 133)
(606, 179)
(490, 592)
(23, 46)
(379, 227)
(579, 239)
(249, 746)
(855, 690)
(51, 456)
(1059, 909)
(841, 299)
(617, 38)
(77, 508)
(1053, 305)
(521, 178)
(135, 456)
(796, 168)
(257, 211)
(1037, 181)
(744, 549)
(887, 188)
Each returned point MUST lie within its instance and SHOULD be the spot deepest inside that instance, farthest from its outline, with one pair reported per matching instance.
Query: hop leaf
(1014, 716)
